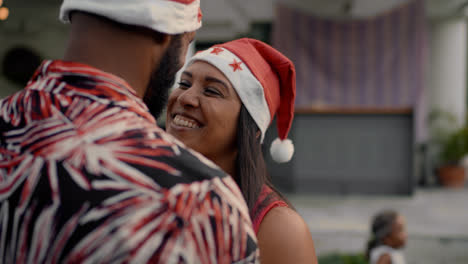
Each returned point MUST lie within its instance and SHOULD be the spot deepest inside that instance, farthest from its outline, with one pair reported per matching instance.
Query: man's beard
(163, 78)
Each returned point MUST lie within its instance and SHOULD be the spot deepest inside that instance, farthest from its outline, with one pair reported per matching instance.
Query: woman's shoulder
(284, 219)
(284, 237)
(267, 200)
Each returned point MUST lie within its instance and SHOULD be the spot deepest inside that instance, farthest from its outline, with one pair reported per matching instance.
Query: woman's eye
(184, 85)
(212, 92)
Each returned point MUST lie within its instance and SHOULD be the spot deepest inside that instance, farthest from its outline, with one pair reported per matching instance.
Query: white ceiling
(225, 19)
(263, 9)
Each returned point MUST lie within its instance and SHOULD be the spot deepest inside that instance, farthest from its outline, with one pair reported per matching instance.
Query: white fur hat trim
(166, 16)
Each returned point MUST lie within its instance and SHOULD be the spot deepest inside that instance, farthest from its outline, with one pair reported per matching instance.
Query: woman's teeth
(182, 121)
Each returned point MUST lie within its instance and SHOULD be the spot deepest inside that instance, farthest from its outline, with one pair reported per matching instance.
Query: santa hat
(166, 16)
(265, 81)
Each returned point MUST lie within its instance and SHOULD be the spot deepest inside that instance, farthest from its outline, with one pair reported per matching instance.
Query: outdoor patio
(437, 223)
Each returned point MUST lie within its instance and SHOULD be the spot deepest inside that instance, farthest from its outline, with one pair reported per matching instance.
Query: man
(85, 173)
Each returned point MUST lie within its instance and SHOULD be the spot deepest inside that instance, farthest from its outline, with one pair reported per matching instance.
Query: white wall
(447, 71)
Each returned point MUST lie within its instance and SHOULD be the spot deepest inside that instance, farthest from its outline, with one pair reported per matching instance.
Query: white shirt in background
(396, 255)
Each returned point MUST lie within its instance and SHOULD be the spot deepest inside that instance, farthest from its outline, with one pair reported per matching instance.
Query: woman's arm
(284, 237)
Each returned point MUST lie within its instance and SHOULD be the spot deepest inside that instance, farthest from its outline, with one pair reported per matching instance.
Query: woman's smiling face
(203, 111)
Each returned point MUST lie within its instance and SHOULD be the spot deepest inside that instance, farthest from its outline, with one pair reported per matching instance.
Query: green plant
(455, 147)
(441, 124)
(449, 139)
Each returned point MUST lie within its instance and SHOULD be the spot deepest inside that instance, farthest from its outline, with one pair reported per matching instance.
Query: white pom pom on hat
(265, 81)
(282, 150)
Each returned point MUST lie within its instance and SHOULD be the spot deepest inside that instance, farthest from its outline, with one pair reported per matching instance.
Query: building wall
(447, 71)
(35, 26)
(347, 154)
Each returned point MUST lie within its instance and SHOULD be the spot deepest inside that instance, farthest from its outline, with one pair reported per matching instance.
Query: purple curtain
(376, 62)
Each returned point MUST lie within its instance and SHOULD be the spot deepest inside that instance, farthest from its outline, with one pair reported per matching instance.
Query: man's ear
(165, 40)
(161, 38)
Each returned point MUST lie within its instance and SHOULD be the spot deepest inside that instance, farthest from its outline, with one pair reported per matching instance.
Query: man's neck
(131, 56)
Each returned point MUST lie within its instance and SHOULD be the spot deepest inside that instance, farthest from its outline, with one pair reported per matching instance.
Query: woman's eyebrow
(187, 73)
(211, 79)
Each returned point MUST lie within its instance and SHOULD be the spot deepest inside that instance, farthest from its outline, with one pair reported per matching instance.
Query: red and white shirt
(86, 176)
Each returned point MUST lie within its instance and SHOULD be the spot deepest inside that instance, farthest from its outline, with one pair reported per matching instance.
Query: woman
(226, 99)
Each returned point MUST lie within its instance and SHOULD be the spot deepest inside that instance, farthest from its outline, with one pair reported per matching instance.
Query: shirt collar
(87, 81)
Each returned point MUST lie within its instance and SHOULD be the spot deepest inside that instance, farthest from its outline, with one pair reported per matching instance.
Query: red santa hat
(166, 16)
(265, 81)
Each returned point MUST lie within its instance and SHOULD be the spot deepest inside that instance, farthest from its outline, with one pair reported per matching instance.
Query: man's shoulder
(183, 165)
(99, 132)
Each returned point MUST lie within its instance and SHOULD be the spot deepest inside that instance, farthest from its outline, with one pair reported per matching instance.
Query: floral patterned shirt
(86, 176)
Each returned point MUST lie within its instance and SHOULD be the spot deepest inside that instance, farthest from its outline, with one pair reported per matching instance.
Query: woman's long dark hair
(251, 171)
(382, 225)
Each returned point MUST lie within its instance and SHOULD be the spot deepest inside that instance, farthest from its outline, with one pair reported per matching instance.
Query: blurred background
(380, 109)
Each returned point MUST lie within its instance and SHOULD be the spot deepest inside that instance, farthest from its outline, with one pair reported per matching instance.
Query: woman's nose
(189, 98)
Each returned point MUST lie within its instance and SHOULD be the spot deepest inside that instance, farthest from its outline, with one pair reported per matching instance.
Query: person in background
(19, 64)
(86, 176)
(227, 97)
(388, 237)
